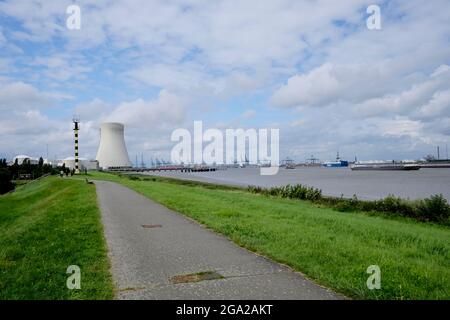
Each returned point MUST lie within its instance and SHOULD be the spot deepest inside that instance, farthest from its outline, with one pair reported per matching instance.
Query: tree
(3, 163)
(5, 181)
(47, 168)
(38, 170)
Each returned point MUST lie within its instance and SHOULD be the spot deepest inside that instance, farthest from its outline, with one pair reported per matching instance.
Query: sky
(311, 69)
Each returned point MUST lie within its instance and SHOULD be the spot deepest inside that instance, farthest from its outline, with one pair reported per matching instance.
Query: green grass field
(333, 248)
(45, 226)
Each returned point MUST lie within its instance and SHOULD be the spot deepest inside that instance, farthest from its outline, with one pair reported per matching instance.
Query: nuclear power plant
(112, 152)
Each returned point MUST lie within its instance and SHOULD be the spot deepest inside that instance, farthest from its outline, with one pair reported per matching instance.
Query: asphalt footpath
(157, 253)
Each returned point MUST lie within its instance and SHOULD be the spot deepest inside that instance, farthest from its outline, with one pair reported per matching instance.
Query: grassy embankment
(45, 226)
(333, 248)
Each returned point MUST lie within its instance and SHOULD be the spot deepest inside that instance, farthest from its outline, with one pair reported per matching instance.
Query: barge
(385, 166)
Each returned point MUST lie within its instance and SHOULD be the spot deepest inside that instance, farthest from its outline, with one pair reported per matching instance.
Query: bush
(294, 192)
(395, 205)
(6, 184)
(346, 205)
(435, 208)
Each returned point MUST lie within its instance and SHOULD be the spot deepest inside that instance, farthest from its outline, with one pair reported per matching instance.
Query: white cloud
(304, 54)
(21, 96)
(223, 34)
(62, 67)
(407, 102)
(39, 17)
(439, 105)
(180, 78)
(400, 127)
(93, 110)
(24, 127)
(319, 87)
(332, 83)
(148, 122)
(166, 109)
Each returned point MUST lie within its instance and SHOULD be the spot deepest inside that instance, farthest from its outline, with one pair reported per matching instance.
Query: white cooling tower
(112, 152)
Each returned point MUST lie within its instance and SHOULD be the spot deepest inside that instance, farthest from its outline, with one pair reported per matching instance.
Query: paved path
(144, 259)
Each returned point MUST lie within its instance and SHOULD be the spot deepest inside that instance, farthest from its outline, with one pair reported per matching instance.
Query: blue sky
(310, 68)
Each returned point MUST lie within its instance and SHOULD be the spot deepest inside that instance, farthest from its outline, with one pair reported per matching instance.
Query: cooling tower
(112, 151)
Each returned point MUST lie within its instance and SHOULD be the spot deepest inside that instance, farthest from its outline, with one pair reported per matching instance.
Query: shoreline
(334, 182)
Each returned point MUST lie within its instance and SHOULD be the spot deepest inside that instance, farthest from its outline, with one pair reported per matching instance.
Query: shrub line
(432, 209)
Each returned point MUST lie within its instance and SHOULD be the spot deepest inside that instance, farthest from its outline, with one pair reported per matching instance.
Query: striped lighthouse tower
(76, 128)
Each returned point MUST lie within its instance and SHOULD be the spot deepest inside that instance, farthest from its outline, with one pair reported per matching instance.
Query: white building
(21, 158)
(112, 152)
(52, 163)
(83, 163)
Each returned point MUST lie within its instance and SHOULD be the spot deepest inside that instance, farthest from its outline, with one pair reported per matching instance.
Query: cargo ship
(385, 166)
(435, 164)
(335, 164)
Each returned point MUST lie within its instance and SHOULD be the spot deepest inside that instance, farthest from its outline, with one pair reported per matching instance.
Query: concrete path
(144, 260)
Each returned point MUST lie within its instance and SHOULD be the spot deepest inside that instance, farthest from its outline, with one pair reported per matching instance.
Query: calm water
(337, 181)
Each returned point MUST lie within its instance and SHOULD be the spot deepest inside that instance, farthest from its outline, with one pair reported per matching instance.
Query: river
(336, 181)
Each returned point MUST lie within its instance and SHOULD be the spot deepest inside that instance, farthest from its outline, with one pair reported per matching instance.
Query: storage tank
(112, 152)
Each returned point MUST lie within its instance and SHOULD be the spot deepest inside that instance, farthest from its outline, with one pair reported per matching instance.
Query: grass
(433, 209)
(331, 247)
(46, 226)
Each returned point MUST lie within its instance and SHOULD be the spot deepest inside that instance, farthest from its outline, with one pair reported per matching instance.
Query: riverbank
(367, 185)
(330, 247)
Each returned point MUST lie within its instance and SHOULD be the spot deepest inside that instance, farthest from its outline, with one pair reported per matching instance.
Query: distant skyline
(310, 68)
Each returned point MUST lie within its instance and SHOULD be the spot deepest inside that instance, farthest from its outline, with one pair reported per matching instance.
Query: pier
(165, 169)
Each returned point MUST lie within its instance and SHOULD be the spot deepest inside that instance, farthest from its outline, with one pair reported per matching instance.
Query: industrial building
(22, 158)
(112, 152)
(33, 160)
(83, 163)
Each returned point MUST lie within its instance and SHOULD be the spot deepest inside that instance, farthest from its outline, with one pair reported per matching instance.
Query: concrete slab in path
(145, 259)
